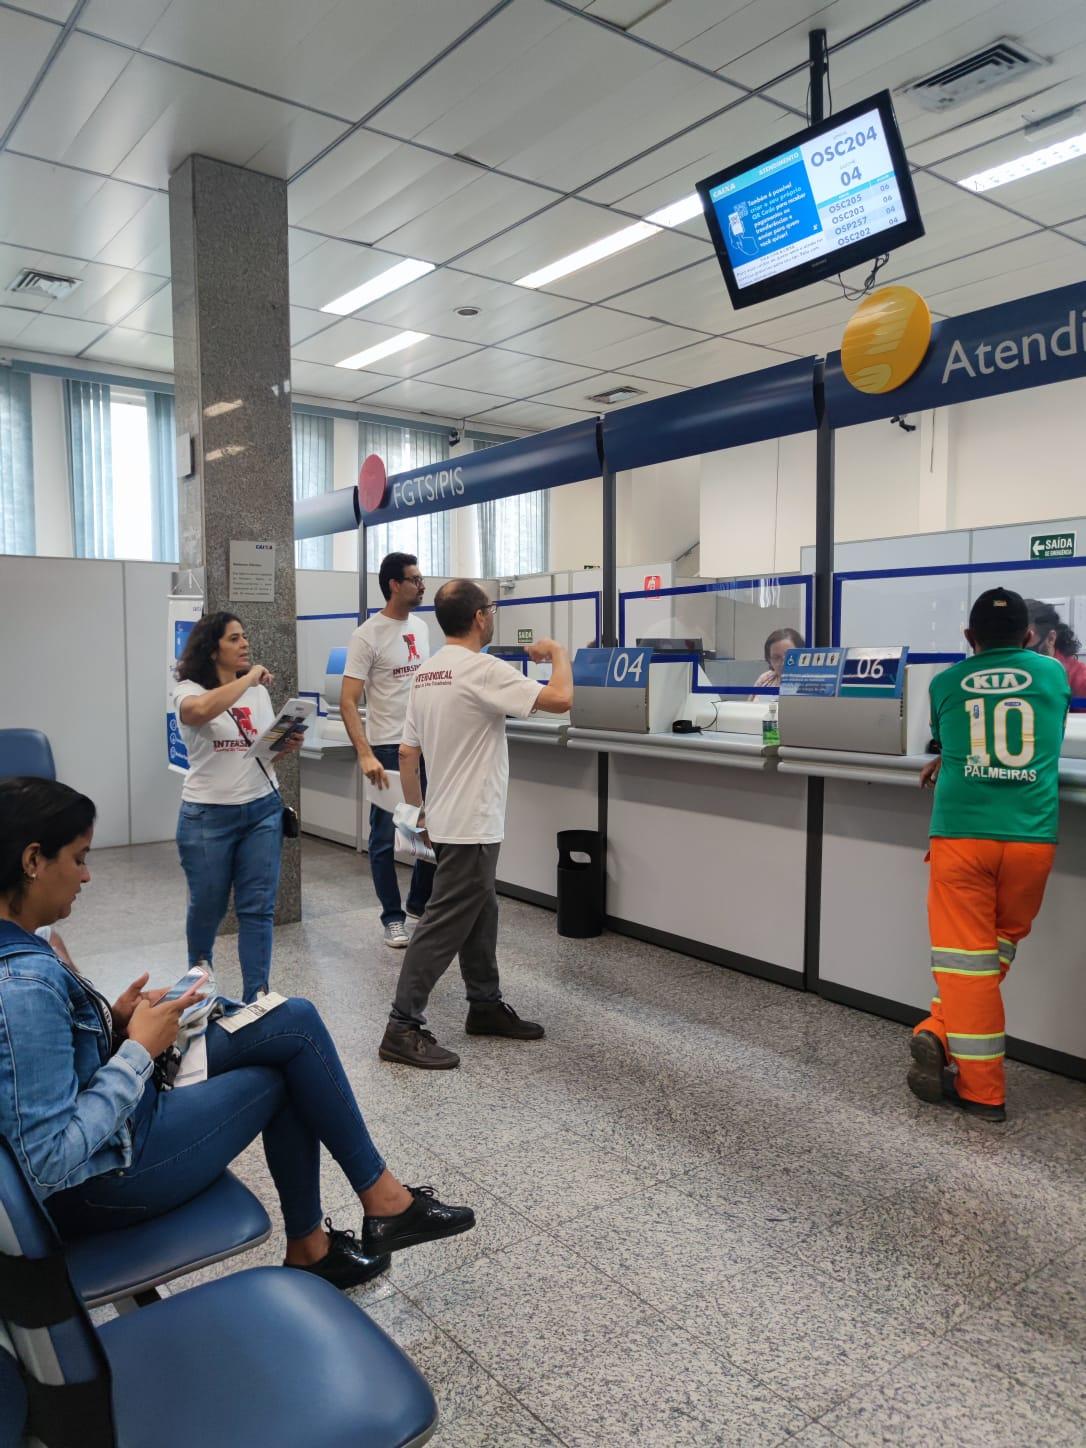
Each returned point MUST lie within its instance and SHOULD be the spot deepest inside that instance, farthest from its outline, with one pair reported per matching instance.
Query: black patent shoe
(345, 1264)
(496, 1018)
(425, 1220)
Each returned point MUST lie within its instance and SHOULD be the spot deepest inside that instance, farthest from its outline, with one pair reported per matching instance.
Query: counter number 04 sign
(612, 668)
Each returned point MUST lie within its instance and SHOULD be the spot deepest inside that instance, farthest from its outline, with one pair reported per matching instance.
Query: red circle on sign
(372, 484)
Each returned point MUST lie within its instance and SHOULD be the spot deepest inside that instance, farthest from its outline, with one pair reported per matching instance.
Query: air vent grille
(43, 284)
(617, 394)
(1002, 61)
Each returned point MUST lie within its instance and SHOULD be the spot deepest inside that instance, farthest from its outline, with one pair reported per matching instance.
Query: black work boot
(410, 1045)
(933, 1079)
(495, 1018)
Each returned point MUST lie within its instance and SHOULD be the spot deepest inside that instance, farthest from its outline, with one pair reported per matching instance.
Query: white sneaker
(396, 935)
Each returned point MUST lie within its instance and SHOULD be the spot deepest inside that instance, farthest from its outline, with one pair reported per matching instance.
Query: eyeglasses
(417, 580)
(489, 608)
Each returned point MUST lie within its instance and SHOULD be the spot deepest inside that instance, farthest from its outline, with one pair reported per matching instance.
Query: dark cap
(999, 616)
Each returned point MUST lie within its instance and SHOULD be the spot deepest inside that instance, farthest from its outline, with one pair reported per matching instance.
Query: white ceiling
(491, 137)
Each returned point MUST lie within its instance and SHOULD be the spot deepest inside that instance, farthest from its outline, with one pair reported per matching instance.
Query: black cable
(853, 294)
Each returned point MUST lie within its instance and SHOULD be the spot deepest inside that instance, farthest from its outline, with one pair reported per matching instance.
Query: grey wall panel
(155, 790)
(550, 789)
(874, 921)
(62, 660)
(714, 854)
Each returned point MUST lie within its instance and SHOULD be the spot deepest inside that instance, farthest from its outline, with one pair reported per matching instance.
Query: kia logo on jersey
(412, 649)
(997, 681)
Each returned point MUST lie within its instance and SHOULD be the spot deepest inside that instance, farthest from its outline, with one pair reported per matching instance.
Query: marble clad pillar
(231, 343)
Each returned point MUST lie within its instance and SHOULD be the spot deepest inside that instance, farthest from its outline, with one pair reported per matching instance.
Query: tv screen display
(829, 198)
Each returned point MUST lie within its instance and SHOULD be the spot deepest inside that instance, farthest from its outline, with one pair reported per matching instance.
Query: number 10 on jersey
(1000, 745)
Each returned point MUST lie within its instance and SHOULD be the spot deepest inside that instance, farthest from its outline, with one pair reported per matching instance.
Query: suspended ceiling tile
(156, 314)
(656, 257)
(602, 339)
(1048, 198)
(129, 21)
(62, 211)
(566, 227)
(709, 362)
(1034, 252)
(301, 243)
(58, 334)
(430, 305)
(416, 396)
(51, 9)
(486, 206)
(695, 297)
(334, 55)
(344, 339)
(318, 381)
(144, 242)
(532, 416)
(14, 259)
(13, 323)
(24, 45)
(333, 268)
(670, 171)
(484, 63)
(578, 395)
(508, 373)
(134, 349)
(106, 295)
(1059, 262)
(1077, 229)
(138, 118)
(779, 331)
(956, 222)
(304, 323)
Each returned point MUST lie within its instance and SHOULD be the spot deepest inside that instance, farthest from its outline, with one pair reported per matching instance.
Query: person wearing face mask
(456, 718)
(230, 829)
(104, 1144)
(1057, 640)
(383, 657)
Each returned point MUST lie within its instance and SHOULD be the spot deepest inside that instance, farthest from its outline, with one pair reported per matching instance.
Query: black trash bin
(580, 883)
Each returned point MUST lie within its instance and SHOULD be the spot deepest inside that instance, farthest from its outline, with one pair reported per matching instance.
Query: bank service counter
(858, 717)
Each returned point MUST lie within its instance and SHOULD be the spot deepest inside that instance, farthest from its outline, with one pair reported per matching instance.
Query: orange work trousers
(983, 897)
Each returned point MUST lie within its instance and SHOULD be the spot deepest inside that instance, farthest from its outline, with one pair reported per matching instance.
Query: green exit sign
(1052, 545)
(524, 635)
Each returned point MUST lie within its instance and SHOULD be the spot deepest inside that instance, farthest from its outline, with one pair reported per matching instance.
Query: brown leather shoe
(410, 1045)
(495, 1018)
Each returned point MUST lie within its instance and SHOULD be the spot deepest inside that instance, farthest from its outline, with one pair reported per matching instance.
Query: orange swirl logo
(886, 339)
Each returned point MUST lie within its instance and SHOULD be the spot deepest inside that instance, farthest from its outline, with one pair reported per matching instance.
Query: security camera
(905, 426)
(454, 437)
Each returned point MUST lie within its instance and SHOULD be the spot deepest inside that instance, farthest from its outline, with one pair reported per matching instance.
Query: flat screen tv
(826, 199)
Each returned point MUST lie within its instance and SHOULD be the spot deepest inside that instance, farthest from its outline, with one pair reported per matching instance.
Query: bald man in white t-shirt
(456, 715)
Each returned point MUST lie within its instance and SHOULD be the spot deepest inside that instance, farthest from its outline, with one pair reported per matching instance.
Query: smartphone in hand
(192, 979)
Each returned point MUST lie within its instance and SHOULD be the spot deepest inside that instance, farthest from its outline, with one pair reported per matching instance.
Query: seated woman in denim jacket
(102, 1146)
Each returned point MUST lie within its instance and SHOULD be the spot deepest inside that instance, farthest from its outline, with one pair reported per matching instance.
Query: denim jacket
(65, 1102)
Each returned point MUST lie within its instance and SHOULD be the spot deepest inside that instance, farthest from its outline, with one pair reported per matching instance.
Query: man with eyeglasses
(456, 718)
(383, 656)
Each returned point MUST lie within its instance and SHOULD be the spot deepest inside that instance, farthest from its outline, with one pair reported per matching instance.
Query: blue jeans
(382, 845)
(281, 1076)
(239, 845)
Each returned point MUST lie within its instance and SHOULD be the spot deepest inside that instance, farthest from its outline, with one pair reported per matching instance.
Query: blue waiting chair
(264, 1358)
(127, 1266)
(26, 751)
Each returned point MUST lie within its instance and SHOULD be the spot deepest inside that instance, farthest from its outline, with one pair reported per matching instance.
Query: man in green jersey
(998, 719)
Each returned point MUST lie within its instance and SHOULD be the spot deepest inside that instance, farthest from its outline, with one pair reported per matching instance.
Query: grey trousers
(461, 918)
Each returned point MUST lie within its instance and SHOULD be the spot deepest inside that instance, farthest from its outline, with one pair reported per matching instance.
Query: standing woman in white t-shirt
(230, 830)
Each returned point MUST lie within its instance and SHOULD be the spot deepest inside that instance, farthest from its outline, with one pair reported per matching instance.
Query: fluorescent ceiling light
(379, 286)
(383, 349)
(678, 212)
(1069, 150)
(606, 246)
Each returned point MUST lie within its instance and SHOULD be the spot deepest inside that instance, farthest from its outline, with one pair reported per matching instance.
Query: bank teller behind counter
(776, 651)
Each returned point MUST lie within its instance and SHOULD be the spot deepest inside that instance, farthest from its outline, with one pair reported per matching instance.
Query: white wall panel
(63, 663)
(155, 790)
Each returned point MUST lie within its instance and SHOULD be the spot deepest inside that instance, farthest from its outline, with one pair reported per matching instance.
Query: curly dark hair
(197, 662)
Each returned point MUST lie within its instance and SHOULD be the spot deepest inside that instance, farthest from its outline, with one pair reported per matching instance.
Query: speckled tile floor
(709, 1211)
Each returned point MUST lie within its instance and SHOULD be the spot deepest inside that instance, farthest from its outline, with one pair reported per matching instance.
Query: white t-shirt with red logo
(459, 704)
(385, 653)
(218, 771)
